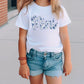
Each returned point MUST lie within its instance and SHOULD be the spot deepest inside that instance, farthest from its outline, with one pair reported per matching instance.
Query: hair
(55, 4)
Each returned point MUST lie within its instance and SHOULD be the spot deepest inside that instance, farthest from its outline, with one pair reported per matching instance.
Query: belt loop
(50, 54)
(31, 52)
(36, 53)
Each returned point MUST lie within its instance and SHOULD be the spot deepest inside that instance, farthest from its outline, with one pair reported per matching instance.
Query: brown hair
(55, 4)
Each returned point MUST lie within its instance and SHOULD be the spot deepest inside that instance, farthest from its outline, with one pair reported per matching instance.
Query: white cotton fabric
(43, 27)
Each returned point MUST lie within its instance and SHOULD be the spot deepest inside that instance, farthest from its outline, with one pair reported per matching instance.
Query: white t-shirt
(43, 27)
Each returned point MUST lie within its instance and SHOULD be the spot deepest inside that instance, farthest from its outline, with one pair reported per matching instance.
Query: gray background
(9, 65)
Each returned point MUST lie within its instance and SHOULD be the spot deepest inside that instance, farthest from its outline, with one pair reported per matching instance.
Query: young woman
(43, 37)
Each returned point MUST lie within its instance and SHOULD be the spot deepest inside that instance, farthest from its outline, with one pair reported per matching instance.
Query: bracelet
(22, 58)
(23, 63)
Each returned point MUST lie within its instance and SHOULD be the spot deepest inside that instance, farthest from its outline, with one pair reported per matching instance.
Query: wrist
(67, 58)
(23, 62)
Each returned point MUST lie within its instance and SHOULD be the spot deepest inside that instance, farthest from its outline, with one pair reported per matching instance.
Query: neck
(43, 2)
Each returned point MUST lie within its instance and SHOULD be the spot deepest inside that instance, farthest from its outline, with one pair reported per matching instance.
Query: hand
(67, 67)
(24, 71)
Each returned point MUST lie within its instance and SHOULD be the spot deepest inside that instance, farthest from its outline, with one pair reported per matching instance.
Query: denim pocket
(29, 56)
(57, 56)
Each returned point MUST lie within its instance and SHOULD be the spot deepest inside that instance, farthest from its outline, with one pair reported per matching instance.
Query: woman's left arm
(66, 49)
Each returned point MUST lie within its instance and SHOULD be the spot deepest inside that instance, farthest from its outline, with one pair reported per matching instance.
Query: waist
(34, 52)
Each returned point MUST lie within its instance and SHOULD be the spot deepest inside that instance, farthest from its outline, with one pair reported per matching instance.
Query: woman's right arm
(22, 23)
(22, 44)
(24, 69)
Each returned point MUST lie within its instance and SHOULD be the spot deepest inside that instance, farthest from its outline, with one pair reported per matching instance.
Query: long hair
(55, 4)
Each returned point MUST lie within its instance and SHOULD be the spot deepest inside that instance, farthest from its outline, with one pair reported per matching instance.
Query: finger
(26, 76)
(66, 74)
(28, 72)
(70, 71)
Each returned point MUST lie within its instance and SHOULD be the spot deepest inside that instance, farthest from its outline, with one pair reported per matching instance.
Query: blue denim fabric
(49, 63)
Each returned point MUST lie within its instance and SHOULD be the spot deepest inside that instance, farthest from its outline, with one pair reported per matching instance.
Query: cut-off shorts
(49, 63)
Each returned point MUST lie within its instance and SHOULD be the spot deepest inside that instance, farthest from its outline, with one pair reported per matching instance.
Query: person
(43, 38)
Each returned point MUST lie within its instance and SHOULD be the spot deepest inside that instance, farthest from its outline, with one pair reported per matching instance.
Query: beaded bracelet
(22, 58)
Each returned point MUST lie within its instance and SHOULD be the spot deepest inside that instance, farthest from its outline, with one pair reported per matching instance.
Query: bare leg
(36, 79)
(54, 80)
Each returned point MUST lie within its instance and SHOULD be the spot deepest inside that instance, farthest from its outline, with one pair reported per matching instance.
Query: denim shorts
(49, 63)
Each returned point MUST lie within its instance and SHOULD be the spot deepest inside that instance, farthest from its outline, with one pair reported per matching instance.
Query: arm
(22, 43)
(66, 42)
(67, 51)
(24, 69)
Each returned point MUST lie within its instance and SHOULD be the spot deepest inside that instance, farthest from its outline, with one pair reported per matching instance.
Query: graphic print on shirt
(40, 23)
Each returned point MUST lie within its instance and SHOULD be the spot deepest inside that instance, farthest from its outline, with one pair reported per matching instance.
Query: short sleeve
(66, 19)
(22, 19)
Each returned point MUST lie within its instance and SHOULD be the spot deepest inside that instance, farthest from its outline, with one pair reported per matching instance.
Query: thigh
(36, 79)
(53, 80)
